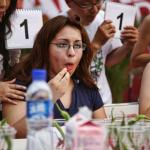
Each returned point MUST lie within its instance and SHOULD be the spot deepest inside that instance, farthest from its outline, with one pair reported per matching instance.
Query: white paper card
(25, 25)
(121, 15)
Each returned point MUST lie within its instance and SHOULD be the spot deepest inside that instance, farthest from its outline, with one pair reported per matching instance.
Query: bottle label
(39, 109)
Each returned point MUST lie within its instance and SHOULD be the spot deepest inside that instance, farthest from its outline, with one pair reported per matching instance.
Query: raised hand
(59, 84)
(105, 31)
(9, 91)
(130, 36)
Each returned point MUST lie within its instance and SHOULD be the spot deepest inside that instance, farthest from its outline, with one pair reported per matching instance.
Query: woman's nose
(71, 52)
(2, 3)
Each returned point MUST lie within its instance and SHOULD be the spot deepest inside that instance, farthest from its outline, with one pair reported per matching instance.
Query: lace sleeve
(14, 56)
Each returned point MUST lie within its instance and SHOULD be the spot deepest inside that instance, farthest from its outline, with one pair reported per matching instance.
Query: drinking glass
(7, 134)
(57, 137)
(132, 138)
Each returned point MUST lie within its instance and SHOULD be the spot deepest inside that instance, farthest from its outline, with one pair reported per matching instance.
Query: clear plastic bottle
(39, 112)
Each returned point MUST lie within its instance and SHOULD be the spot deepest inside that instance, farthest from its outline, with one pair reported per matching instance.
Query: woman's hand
(9, 91)
(59, 84)
(130, 36)
(104, 32)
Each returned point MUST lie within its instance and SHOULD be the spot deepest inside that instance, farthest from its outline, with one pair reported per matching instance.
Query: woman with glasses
(62, 47)
(8, 58)
(108, 50)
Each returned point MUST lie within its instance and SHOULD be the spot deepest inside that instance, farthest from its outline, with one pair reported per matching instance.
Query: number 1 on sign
(121, 19)
(25, 24)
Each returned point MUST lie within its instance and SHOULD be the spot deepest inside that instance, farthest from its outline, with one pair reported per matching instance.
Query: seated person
(144, 98)
(139, 57)
(8, 58)
(109, 51)
(62, 47)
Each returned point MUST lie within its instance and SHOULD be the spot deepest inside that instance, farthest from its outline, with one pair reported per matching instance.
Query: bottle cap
(39, 74)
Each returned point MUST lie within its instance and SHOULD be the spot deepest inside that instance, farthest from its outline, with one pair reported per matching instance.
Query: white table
(19, 144)
(127, 108)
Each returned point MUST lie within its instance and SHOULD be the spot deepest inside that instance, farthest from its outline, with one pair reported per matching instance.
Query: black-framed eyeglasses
(66, 46)
(88, 5)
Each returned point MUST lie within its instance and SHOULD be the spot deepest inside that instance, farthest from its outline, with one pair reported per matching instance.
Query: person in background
(108, 50)
(144, 98)
(62, 47)
(139, 56)
(8, 58)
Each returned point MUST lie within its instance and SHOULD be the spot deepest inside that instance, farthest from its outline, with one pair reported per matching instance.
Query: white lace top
(14, 56)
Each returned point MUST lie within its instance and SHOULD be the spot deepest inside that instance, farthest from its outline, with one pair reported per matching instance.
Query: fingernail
(21, 97)
(15, 103)
(24, 88)
(65, 69)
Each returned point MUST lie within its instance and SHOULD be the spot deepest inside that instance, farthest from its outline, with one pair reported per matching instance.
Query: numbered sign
(121, 15)
(25, 25)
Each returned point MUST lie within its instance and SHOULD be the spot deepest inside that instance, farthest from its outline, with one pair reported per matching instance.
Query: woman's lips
(69, 67)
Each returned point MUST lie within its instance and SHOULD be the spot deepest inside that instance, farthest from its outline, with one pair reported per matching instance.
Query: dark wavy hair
(3, 25)
(39, 56)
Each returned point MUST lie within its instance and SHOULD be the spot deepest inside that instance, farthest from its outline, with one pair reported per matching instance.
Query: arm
(21, 127)
(129, 36)
(140, 59)
(138, 56)
(116, 56)
(15, 116)
(98, 106)
(99, 113)
(144, 98)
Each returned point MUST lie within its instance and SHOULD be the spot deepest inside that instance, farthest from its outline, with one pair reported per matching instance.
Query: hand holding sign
(121, 16)
(25, 25)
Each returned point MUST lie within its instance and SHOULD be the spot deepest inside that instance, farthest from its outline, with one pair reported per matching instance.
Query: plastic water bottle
(39, 112)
